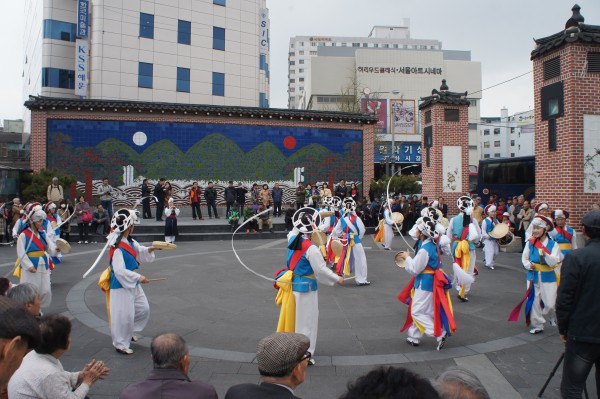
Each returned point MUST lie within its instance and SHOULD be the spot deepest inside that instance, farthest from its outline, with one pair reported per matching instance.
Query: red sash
(564, 233)
(51, 217)
(124, 246)
(538, 245)
(294, 261)
(29, 234)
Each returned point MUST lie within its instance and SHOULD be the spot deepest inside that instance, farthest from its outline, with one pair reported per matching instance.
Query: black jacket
(145, 191)
(240, 193)
(159, 192)
(262, 391)
(341, 191)
(230, 194)
(210, 193)
(578, 301)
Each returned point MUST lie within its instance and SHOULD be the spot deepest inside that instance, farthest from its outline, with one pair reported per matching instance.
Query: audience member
(210, 195)
(277, 195)
(100, 219)
(65, 213)
(159, 197)
(195, 199)
(282, 361)
(55, 192)
(300, 196)
(341, 190)
(289, 213)
(458, 383)
(230, 196)
(82, 209)
(264, 219)
(169, 378)
(390, 383)
(251, 226)
(265, 196)
(27, 295)
(42, 375)
(240, 193)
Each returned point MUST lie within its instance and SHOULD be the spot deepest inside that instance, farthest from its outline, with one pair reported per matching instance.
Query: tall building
(213, 52)
(507, 136)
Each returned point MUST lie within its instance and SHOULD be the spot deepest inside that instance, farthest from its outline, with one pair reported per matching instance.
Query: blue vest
(489, 226)
(457, 229)
(425, 281)
(32, 247)
(560, 239)
(345, 227)
(534, 257)
(130, 264)
(301, 271)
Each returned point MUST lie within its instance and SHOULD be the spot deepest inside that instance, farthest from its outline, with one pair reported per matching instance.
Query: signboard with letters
(82, 18)
(81, 67)
(264, 31)
(403, 116)
(403, 153)
(404, 70)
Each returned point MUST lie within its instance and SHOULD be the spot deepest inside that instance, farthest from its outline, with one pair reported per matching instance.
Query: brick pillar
(368, 158)
(445, 144)
(567, 119)
(38, 140)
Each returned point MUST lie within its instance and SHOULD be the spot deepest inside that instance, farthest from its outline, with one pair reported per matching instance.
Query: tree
(405, 184)
(34, 186)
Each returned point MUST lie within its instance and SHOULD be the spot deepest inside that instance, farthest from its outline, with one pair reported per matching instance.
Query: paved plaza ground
(222, 311)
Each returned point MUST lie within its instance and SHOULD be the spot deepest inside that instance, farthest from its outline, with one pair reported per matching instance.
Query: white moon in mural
(140, 138)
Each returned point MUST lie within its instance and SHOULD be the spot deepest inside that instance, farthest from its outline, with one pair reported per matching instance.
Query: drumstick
(156, 279)
(349, 278)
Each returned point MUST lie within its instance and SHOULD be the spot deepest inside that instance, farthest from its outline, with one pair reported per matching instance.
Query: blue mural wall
(197, 151)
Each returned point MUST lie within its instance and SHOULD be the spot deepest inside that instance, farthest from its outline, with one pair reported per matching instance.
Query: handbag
(86, 217)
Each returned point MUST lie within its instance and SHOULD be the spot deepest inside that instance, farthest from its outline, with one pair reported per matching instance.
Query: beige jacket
(525, 217)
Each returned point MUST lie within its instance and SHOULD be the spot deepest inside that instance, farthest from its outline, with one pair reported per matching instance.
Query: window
(301, 52)
(220, 2)
(355, 44)
(365, 44)
(497, 155)
(552, 68)
(184, 32)
(552, 135)
(512, 130)
(292, 62)
(59, 78)
(301, 43)
(301, 62)
(552, 101)
(301, 88)
(376, 45)
(593, 62)
(263, 101)
(301, 70)
(321, 44)
(292, 80)
(183, 80)
(486, 144)
(333, 44)
(395, 46)
(497, 131)
(512, 143)
(344, 44)
(313, 44)
(3, 150)
(218, 38)
(147, 25)
(427, 117)
(428, 136)
(263, 62)
(473, 103)
(486, 156)
(497, 143)
(218, 84)
(314, 52)
(486, 132)
(512, 154)
(59, 30)
(145, 75)
(301, 80)
(451, 115)
(386, 46)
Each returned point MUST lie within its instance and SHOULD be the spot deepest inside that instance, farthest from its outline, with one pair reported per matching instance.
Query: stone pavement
(222, 310)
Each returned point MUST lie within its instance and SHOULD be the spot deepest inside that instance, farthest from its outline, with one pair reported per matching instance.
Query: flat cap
(592, 219)
(279, 353)
(15, 321)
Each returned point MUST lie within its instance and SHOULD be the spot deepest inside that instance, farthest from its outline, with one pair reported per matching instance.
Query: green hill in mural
(214, 157)
(162, 159)
(317, 160)
(118, 154)
(265, 162)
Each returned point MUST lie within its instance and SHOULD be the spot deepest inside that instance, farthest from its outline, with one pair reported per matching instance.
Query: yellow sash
(565, 246)
(285, 299)
(543, 268)
(348, 254)
(462, 252)
(33, 254)
(380, 236)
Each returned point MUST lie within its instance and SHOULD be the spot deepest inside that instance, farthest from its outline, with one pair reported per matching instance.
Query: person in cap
(297, 283)
(171, 213)
(282, 361)
(428, 286)
(541, 208)
(464, 232)
(34, 248)
(564, 235)
(55, 192)
(577, 309)
(540, 258)
(385, 235)
(19, 333)
(50, 225)
(352, 230)
(129, 309)
(490, 245)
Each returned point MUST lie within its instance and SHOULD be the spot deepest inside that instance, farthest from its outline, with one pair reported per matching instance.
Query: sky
(499, 34)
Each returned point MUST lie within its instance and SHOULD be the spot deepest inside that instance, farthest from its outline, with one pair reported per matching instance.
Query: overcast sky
(498, 33)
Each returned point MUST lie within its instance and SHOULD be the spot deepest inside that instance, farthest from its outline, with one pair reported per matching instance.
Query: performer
(329, 224)
(353, 257)
(490, 245)
(540, 258)
(540, 209)
(430, 307)
(171, 213)
(564, 235)
(385, 234)
(464, 234)
(33, 263)
(129, 309)
(305, 267)
(50, 225)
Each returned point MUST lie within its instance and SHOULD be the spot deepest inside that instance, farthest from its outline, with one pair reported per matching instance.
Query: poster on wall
(403, 116)
(591, 153)
(452, 169)
(377, 108)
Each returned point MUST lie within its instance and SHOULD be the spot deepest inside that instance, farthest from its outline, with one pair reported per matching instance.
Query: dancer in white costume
(352, 229)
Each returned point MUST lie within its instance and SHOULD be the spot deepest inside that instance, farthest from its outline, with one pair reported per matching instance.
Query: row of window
(486, 132)
(184, 31)
(145, 79)
(486, 144)
(372, 45)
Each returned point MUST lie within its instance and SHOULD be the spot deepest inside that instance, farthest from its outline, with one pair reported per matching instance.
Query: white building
(181, 51)
(507, 136)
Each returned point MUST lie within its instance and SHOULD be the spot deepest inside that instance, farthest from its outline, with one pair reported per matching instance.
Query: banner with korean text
(403, 116)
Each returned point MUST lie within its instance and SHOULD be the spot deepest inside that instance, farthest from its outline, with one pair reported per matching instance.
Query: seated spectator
(264, 219)
(4, 285)
(19, 333)
(289, 212)
(27, 295)
(100, 218)
(42, 375)
(252, 226)
(169, 378)
(390, 382)
(459, 383)
(364, 212)
(282, 361)
(233, 218)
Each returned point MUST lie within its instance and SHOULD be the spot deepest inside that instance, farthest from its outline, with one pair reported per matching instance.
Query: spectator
(169, 378)
(478, 211)
(442, 206)
(41, 374)
(27, 295)
(354, 193)
(282, 361)
(100, 218)
(506, 220)
(341, 190)
(195, 201)
(252, 226)
(458, 383)
(501, 206)
(364, 212)
(372, 190)
(577, 308)
(65, 213)
(233, 218)
(511, 210)
(5, 285)
(106, 192)
(313, 195)
(277, 195)
(55, 192)
(171, 213)
(390, 382)
(15, 212)
(159, 197)
(146, 194)
(82, 209)
(289, 213)
(595, 206)
(300, 196)
(326, 191)
(3, 222)
(19, 333)
(210, 195)
(230, 197)
(523, 220)
(265, 196)
(168, 192)
(240, 193)
(263, 219)
(255, 193)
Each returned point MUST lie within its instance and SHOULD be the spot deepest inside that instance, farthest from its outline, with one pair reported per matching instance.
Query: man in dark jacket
(169, 378)
(341, 190)
(277, 195)
(159, 194)
(577, 310)
(230, 196)
(240, 197)
(146, 212)
(210, 194)
(282, 361)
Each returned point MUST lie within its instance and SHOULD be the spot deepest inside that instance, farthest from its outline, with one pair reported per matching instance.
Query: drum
(54, 225)
(506, 240)
(164, 245)
(397, 217)
(398, 260)
(63, 246)
(318, 237)
(445, 222)
(337, 247)
(499, 231)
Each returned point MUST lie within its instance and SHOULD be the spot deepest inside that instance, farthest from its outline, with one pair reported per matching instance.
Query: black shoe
(363, 284)
(441, 343)
(411, 342)
(463, 299)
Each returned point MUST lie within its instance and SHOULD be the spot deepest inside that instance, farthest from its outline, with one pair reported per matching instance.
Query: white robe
(388, 227)
(360, 259)
(129, 309)
(474, 237)
(490, 246)
(41, 278)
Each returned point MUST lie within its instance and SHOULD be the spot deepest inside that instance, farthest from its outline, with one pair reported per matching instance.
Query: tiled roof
(444, 96)
(71, 104)
(575, 31)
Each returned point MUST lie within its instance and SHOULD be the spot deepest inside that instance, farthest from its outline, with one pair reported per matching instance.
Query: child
(171, 213)
(289, 212)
